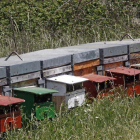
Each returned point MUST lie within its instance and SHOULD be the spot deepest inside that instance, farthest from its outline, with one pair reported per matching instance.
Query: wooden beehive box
(10, 116)
(38, 102)
(128, 77)
(98, 86)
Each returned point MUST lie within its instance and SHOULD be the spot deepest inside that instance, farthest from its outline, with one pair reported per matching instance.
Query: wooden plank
(134, 56)
(25, 77)
(57, 70)
(3, 81)
(86, 64)
(134, 61)
(113, 65)
(115, 59)
(32, 82)
(82, 72)
(0, 90)
(59, 102)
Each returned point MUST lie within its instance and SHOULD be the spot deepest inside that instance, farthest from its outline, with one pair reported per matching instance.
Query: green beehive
(38, 101)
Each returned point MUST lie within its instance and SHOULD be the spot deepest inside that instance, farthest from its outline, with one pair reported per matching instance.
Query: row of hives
(91, 61)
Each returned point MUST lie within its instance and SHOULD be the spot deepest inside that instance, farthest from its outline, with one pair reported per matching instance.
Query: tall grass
(118, 119)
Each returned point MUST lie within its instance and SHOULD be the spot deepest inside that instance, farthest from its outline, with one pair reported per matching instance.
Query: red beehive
(10, 116)
(128, 77)
(98, 84)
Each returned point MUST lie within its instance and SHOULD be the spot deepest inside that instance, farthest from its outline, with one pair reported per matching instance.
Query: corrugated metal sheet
(98, 78)
(67, 79)
(124, 71)
(6, 100)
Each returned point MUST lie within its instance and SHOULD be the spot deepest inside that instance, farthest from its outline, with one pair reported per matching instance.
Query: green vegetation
(117, 119)
(29, 25)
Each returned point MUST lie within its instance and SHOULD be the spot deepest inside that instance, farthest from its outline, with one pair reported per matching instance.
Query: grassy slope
(104, 119)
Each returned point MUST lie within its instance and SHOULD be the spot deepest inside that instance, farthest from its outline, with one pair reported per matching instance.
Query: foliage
(28, 25)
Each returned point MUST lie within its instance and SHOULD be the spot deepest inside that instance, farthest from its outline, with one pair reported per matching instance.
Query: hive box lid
(125, 71)
(98, 78)
(134, 46)
(18, 67)
(36, 90)
(6, 100)
(80, 55)
(108, 49)
(58, 57)
(67, 79)
(50, 58)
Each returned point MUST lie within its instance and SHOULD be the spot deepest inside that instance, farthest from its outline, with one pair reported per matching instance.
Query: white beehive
(71, 90)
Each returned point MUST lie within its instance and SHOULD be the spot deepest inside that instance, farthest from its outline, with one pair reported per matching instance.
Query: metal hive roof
(98, 78)
(36, 90)
(6, 100)
(67, 79)
(125, 71)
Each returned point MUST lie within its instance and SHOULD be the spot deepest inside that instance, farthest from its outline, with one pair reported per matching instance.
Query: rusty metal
(124, 71)
(14, 52)
(125, 36)
(6, 100)
(98, 78)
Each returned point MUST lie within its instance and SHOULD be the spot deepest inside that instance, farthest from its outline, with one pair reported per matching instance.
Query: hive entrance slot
(74, 87)
(43, 98)
(129, 79)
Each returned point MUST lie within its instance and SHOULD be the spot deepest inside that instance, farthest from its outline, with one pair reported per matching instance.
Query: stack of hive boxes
(80, 60)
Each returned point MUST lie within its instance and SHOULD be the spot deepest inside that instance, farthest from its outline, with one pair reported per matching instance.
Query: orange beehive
(10, 116)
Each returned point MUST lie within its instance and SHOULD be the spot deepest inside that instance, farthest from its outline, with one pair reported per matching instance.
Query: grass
(117, 119)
